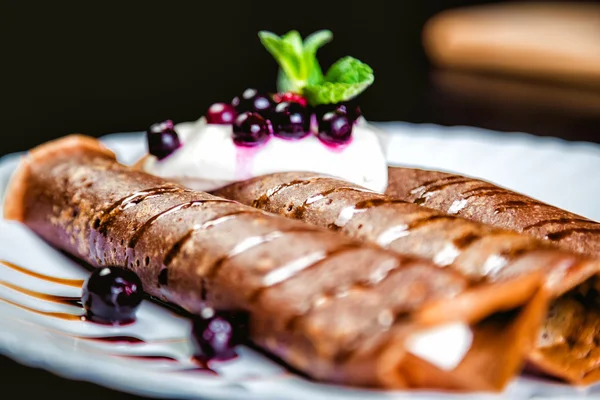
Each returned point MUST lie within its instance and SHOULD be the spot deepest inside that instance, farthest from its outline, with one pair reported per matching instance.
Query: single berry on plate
(352, 110)
(162, 139)
(291, 97)
(253, 101)
(112, 295)
(335, 128)
(215, 334)
(250, 129)
(220, 113)
(290, 120)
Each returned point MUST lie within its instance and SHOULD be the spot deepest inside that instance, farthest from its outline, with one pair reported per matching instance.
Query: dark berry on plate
(335, 128)
(253, 101)
(215, 334)
(112, 295)
(290, 120)
(290, 97)
(250, 129)
(162, 139)
(221, 113)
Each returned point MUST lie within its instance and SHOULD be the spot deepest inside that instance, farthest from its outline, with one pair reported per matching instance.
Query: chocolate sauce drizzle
(59, 315)
(114, 339)
(62, 281)
(66, 300)
(153, 357)
(76, 301)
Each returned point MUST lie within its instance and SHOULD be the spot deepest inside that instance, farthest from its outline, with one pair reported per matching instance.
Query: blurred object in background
(517, 66)
(514, 105)
(554, 41)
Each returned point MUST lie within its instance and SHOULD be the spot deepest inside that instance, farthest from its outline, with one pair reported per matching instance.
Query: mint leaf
(312, 43)
(331, 93)
(294, 39)
(350, 70)
(345, 79)
(315, 41)
(297, 59)
(285, 53)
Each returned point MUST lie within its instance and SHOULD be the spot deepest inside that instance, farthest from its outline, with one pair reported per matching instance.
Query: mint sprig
(300, 71)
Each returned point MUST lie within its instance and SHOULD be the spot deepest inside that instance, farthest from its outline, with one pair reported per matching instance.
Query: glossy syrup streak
(62, 281)
(76, 301)
(197, 365)
(59, 315)
(66, 300)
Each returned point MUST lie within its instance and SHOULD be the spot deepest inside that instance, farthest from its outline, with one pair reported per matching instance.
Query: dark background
(97, 68)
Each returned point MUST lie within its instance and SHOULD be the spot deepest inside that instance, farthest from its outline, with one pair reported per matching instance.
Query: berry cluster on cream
(307, 101)
(311, 122)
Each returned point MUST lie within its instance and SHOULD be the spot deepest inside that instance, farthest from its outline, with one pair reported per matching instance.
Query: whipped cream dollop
(209, 159)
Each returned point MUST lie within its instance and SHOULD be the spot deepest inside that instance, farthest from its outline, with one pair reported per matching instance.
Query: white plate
(551, 170)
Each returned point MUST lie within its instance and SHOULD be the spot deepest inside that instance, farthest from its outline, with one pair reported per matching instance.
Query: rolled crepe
(336, 309)
(485, 202)
(564, 347)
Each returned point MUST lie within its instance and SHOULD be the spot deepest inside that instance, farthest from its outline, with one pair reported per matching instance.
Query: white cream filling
(444, 346)
(209, 159)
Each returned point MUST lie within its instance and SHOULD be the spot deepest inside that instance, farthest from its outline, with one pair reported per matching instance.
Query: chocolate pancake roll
(488, 203)
(336, 309)
(565, 347)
